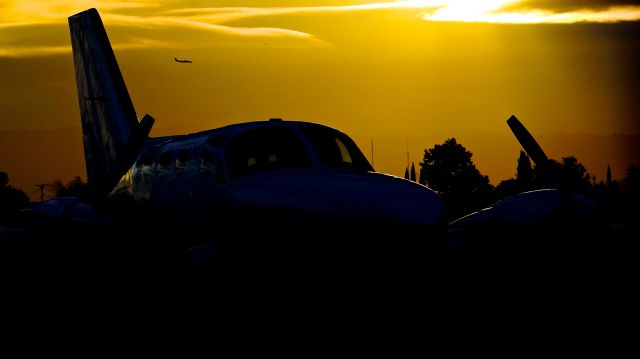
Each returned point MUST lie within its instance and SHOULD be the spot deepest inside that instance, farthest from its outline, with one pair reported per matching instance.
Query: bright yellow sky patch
(56, 11)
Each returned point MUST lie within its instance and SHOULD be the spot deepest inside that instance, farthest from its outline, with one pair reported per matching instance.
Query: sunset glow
(406, 74)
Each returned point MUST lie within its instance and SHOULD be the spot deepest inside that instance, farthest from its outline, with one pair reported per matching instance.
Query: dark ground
(310, 290)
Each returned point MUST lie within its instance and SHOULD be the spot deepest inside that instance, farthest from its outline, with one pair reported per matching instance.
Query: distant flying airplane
(182, 61)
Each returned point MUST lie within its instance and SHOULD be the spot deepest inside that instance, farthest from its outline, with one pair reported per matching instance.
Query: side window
(207, 164)
(265, 149)
(210, 166)
(146, 166)
(164, 165)
(182, 162)
(144, 170)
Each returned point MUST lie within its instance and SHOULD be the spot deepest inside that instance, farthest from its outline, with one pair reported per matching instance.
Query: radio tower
(42, 186)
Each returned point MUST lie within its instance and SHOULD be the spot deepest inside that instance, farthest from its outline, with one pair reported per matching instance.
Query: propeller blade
(528, 143)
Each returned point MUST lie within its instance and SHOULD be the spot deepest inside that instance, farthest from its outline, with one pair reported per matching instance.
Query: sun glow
(490, 11)
(467, 10)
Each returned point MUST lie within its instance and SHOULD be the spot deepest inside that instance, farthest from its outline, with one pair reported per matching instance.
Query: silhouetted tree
(449, 170)
(524, 171)
(619, 200)
(10, 195)
(524, 181)
(74, 188)
(631, 181)
(631, 192)
(413, 172)
(508, 188)
(569, 174)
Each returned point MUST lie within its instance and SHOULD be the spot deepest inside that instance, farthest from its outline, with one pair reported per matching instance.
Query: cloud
(21, 51)
(536, 11)
(44, 50)
(218, 21)
(24, 27)
(223, 14)
(561, 6)
(56, 11)
(490, 11)
(160, 21)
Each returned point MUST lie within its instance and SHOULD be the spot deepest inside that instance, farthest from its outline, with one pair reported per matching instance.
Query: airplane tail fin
(112, 135)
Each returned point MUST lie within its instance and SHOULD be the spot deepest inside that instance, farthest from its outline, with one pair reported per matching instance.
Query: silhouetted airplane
(182, 61)
(300, 180)
(276, 173)
(528, 210)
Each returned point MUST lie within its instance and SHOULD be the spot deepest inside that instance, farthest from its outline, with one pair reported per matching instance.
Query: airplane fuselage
(275, 167)
(271, 171)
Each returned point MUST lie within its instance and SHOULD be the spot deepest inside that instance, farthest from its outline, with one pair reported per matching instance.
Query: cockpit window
(265, 149)
(335, 149)
(345, 156)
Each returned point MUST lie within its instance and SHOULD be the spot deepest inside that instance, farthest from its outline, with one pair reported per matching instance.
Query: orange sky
(398, 72)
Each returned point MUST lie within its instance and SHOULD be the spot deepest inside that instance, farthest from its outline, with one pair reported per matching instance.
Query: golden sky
(403, 73)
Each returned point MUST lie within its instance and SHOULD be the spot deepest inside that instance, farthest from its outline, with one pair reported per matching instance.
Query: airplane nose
(370, 197)
(400, 201)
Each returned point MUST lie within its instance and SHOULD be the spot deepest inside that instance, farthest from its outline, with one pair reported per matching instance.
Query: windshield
(266, 149)
(335, 149)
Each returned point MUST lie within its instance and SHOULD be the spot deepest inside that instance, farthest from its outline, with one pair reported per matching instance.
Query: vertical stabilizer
(112, 136)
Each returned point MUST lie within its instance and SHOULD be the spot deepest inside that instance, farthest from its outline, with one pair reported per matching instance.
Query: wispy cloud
(563, 6)
(164, 21)
(535, 11)
(222, 14)
(149, 14)
(490, 11)
(56, 11)
(21, 51)
(36, 15)
(38, 50)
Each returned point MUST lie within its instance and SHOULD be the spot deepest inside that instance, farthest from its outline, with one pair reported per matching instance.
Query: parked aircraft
(275, 172)
(246, 177)
(531, 208)
(309, 187)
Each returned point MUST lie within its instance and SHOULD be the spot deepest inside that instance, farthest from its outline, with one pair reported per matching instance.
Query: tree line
(14, 197)
(449, 170)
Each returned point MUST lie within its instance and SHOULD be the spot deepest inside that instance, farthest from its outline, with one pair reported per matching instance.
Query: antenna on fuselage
(407, 143)
(372, 152)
